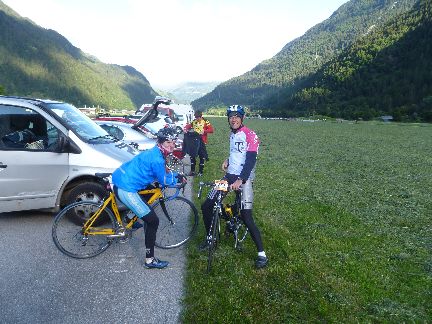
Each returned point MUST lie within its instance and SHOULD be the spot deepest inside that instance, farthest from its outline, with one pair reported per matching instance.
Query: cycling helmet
(198, 114)
(166, 134)
(236, 109)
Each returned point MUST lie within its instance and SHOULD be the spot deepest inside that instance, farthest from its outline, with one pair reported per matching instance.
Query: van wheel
(179, 130)
(85, 191)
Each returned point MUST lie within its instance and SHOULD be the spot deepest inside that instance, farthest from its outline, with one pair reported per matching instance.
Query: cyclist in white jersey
(240, 172)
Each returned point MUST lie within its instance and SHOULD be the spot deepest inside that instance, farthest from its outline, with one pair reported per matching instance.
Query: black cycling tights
(246, 215)
(152, 223)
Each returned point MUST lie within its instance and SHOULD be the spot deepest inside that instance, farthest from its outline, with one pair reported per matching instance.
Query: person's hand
(225, 165)
(181, 178)
(236, 185)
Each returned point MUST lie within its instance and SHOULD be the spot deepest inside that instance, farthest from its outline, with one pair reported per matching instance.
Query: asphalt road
(38, 284)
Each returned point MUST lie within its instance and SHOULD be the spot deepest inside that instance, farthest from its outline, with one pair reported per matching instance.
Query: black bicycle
(228, 213)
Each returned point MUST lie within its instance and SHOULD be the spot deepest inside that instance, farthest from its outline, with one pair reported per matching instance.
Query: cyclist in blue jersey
(240, 174)
(137, 174)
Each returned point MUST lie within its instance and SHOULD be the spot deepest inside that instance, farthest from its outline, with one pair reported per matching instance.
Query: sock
(262, 253)
(148, 260)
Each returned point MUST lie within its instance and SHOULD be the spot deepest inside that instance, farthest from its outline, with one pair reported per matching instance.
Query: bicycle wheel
(178, 225)
(213, 238)
(68, 235)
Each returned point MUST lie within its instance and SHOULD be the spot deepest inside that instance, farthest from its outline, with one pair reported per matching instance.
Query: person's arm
(248, 166)
(163, 177)
(225, 165)
(208, 128)
(251, 155)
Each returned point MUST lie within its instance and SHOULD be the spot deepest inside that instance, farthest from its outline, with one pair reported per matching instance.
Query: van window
(113, 130)
(80, 124)
(25, 129)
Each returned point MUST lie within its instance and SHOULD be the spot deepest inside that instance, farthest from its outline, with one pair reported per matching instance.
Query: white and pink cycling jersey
(244, 140)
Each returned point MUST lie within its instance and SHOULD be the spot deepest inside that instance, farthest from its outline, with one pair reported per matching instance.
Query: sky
(175, 41)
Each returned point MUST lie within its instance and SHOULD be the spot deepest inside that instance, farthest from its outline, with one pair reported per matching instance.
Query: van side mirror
(65, 145)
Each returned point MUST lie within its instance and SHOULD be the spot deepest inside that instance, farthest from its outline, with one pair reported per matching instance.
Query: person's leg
(193, 164)
(202, 153)
(201, 166)
(204, 149)
(246, 215)
(134, 202)
(152, 223)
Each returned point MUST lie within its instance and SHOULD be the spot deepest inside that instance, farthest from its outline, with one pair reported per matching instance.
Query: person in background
(139, 173)
(196, 141)
(240, 174)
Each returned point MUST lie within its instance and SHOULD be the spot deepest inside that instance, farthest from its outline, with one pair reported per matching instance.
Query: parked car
(139, 137)
(123, 131)
(49, 154)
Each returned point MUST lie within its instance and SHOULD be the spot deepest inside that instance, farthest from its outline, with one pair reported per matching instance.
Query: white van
(49, 154)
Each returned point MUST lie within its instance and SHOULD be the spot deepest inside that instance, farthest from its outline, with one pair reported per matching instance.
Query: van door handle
(3, 166)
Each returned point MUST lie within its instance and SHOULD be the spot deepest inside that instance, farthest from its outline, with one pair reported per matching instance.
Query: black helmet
(198, 113)
(166, 134)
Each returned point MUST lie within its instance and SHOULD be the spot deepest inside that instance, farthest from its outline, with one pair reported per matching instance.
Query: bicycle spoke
(69, 236)
(178, 225)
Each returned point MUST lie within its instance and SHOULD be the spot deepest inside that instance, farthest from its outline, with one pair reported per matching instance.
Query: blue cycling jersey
(144, 169)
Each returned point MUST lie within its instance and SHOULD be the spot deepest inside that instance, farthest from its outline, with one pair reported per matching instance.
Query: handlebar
(204, 184)
(212, 185)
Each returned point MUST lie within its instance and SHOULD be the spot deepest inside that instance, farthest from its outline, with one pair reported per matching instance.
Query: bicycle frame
(220, 208)
(157, 193)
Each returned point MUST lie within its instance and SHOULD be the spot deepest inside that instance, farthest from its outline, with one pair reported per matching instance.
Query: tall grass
(345, 214)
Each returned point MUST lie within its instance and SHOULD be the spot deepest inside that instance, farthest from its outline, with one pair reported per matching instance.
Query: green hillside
(306, 54)
(388, 72)
(38, 62)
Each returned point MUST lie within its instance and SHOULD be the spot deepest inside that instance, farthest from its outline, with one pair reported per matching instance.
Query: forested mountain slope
(306, 54)
(38, 62)
(387, 72)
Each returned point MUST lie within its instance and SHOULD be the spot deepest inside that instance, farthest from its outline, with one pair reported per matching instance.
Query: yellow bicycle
(102, 223)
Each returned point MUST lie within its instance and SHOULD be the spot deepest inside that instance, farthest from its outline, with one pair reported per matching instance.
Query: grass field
(345, 212)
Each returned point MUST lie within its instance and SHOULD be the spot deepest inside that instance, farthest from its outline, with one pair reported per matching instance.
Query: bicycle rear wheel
(178, 224)
(213, 238)
(68, 235)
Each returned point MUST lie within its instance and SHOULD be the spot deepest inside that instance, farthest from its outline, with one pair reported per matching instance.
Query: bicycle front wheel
(213, 238)
(69, 236)
(178, 221)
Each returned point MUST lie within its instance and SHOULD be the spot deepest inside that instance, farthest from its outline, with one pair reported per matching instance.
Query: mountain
(305, 55)
(386, 72)
(187, 92)
(40, 62)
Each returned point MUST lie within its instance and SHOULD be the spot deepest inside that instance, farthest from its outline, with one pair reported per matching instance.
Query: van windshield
(86, 129)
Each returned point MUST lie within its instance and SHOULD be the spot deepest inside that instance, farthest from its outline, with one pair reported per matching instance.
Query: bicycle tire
(213, 238)
(179, 226)
(67, 234)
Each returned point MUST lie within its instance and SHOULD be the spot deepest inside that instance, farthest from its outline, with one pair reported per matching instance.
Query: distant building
(88, 111)
(386, 118)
